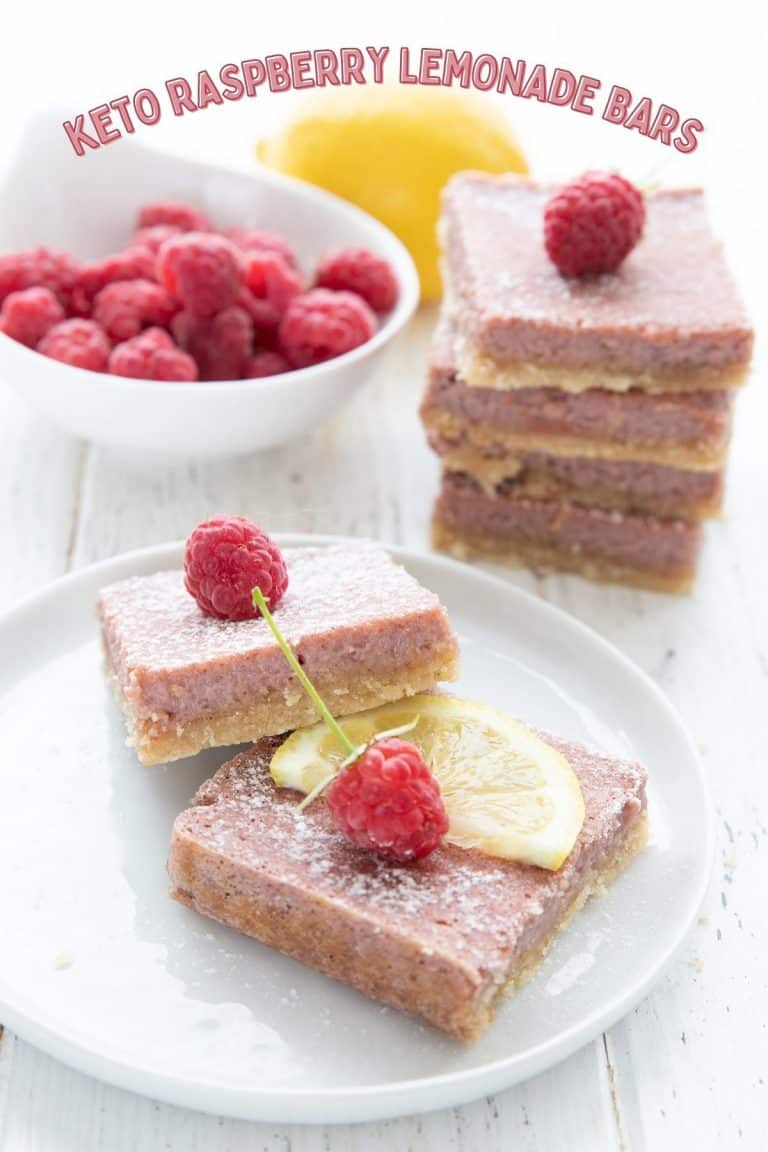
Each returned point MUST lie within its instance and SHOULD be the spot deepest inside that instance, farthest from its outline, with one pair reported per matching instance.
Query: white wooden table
(688, 1068)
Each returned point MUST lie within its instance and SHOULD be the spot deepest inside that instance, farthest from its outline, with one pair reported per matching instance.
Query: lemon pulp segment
(507, 792)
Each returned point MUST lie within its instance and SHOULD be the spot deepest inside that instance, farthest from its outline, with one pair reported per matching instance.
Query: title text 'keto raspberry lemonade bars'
(426, 850)
(581, 381)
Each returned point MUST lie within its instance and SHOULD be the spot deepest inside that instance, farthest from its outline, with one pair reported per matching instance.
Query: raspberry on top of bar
(669, 317)
(365, 630)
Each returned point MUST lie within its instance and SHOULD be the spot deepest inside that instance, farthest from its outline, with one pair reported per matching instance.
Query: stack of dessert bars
(582, 424)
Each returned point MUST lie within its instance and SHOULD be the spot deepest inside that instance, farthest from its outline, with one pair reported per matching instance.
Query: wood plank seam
(613, 1093)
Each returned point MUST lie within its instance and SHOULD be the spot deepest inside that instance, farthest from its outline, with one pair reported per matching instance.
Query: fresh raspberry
(322, 324)
(265, 363)
(135, 263)
(264, 315)
(127, 306)
(389, 802)
(152, 356)
(203, 270)
(181, 216)
(268, 277)
(26, 316)
(81, 343)
(156, 338)
(225, 558)
(220, 345)
(39, 268)
(79, 304)
(250, 240)
(592, 224)
(155, 236)
(361, 271)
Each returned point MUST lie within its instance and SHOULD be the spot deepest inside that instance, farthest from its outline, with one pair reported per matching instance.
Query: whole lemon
(390, 150)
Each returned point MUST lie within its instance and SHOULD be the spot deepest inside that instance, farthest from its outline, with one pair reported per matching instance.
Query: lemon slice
(507, 792)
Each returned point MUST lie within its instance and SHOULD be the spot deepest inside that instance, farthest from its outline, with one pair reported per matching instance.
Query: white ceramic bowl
(88, 205)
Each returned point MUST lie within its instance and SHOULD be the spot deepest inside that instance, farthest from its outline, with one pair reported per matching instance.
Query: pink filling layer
(348, 611)
(642, 542)
(671, 304)
(618, 417)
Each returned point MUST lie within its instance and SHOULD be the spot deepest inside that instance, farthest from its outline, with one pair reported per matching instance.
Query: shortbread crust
(158, 740)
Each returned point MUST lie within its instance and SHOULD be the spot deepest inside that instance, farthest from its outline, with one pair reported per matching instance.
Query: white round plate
(102, 970)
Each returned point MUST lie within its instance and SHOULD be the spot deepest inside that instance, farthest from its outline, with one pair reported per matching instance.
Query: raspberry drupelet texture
(26, 316)
(592, 224)
(152, 355)
(253, 240)
(389, 802)
(264, 315)
(265, 363)
(127, 306)
(155, 236)
(220, 345)
(203, 270)
(322, 324)
(81, 343)
(135, 263)
(224, 559)
(174, 214)
(268, 277)
(358, 270)
(38, 268)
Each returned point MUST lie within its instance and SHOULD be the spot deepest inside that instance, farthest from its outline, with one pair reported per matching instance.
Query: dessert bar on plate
(365, 631)
(441, 937)
(668, 320)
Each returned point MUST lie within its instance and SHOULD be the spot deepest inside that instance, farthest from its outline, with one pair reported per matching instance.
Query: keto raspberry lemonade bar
(363, 628)
(668, 320)
(682, 432)
(440, 937)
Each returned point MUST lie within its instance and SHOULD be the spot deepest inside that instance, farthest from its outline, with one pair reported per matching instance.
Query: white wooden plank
(555, 1110)
(40, 471)
(7, 1047)
(40, 475)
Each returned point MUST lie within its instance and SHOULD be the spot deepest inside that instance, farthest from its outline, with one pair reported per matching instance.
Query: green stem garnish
(353, 753)
(306, 683)
(353, 757)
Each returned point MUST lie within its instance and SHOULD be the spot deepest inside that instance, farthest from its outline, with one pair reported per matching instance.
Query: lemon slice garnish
(507, 792)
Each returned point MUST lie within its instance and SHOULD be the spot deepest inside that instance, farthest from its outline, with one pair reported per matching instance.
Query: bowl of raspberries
(170, 306)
